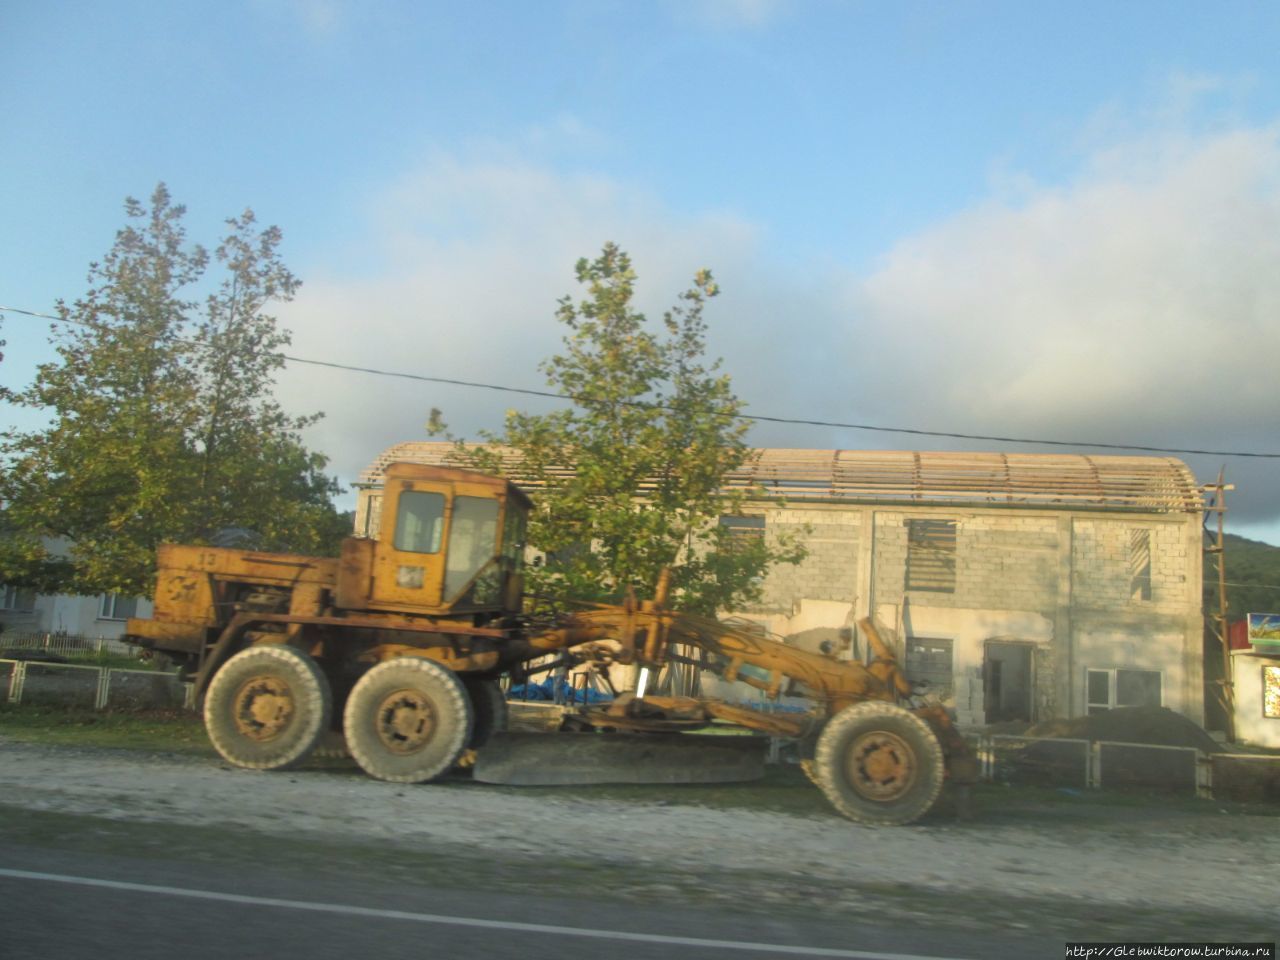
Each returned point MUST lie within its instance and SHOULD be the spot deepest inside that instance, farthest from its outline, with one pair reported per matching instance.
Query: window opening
(115, 606)
(743, 531)
(373, 516)
(1139, 564)
(18, 599)
(931, 555)
(1109, 689)
(929, 661)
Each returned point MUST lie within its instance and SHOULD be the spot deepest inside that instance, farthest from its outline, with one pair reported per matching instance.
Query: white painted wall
(1246, 674)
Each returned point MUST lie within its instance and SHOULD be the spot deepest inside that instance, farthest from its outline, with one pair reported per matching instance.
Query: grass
(112, 661)
(156, 730)
(98, 658)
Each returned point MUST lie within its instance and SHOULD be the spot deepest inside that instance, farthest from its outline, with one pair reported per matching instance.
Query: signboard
(1271, 693)
(1264, 631)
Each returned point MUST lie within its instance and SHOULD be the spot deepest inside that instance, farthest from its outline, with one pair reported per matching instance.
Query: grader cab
(395, 650)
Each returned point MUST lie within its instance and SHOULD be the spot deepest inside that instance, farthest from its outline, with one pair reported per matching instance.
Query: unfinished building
(1018, 587)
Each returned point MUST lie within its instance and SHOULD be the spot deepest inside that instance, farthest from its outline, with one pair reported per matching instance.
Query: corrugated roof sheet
(1149, 484)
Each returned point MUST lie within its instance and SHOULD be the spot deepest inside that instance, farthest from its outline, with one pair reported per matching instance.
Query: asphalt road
(60, 903)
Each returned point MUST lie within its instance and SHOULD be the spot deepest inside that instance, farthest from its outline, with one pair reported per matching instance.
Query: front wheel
(266, 707)
(878, 763)
(407, 720)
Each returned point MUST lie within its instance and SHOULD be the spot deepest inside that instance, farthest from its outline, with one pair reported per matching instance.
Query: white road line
(511, 925)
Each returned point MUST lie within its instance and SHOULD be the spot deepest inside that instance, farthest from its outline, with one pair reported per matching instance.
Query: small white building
(1255, 680)
(24, 612)
(1020, 587)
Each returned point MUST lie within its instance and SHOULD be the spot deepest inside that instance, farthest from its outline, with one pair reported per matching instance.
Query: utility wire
(759, 418)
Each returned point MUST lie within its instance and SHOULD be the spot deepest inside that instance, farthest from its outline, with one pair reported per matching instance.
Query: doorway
(1007, 681)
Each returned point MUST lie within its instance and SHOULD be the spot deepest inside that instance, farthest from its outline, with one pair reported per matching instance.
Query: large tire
(407, 720)
(266, 707)
(880, 764)
(488, 708)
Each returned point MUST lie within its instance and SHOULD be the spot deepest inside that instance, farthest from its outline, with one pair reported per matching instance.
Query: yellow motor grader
(396, 649)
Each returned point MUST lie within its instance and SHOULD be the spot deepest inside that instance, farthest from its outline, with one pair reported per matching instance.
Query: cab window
(419, 522)
(473, 541)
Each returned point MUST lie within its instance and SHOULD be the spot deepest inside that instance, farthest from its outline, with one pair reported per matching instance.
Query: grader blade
(559, 759)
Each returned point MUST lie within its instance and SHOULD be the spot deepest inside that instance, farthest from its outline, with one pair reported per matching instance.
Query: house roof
(1144, 484)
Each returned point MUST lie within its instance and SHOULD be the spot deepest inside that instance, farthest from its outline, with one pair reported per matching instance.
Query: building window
(1271, 693)
(1108, 689)
(116, 606)
(372, 517)
(1139, 564)
(929, 662)
(742, 531)
(17, 599)
(931, 555)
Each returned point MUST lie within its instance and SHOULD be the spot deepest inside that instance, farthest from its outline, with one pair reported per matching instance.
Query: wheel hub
(262, 708)
(406, 721)
(881, 766)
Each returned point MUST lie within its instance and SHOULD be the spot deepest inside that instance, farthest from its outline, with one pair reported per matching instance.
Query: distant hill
(1253, 578)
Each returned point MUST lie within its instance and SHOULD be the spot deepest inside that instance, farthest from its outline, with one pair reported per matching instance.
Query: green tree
(653, 432)
(162, 424)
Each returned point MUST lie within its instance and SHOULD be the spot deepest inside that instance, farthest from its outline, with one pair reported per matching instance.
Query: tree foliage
(651, 435)
(1253, 578)
(162, 425)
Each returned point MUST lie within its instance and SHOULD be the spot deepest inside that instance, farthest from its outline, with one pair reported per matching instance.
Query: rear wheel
(407, 720)
(878, 763)
(489, 709)
(266, 707)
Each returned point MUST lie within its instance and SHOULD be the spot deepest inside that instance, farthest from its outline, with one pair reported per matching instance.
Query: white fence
(63, 644)
(91, 688)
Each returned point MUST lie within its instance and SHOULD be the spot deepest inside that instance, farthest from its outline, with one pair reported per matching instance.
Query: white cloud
(320, 20)
(473, 256)
(729, 13)
(1122, 300)
(1140, 304)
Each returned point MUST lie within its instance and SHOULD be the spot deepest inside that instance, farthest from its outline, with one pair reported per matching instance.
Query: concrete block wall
(1155, 646)
(1003, 562)
(1060, 581)
(1101, 575)
(828, 572)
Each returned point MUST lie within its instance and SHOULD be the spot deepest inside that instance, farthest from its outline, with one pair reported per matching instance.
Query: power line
(758, 418)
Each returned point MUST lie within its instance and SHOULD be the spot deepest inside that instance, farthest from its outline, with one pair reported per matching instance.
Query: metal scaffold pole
(1224, 688)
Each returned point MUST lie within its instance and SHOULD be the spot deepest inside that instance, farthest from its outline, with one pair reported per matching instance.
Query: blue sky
(1044, 220)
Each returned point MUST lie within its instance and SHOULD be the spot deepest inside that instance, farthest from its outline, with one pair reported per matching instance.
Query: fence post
(1093, 766)
(1204, 776)
(104, 684)
(15, 681)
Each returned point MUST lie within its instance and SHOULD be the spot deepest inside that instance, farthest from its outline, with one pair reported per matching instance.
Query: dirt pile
(1153, 725)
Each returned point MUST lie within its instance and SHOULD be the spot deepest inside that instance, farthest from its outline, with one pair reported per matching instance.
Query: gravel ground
(1170, 861)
